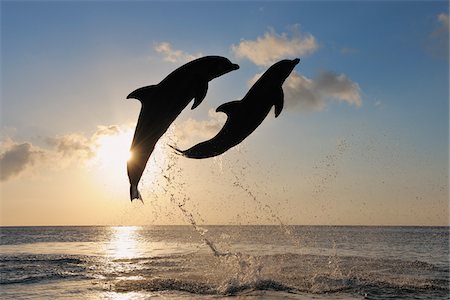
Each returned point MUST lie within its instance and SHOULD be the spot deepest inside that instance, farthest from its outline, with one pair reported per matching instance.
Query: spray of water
(329, 172)
(174, 187)
(327, 169)
(239, 181)
(247, 269)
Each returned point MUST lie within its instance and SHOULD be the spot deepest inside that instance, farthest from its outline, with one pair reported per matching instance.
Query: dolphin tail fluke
(177, 151)
(134, 193)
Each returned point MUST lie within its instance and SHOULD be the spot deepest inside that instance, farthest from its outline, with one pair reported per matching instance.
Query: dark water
(254, 262)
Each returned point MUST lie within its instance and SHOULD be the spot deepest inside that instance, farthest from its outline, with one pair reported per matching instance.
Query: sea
(218, 262)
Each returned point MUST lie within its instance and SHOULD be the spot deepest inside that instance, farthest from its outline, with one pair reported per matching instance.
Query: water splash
(248, 271)
(239, 178)
(267, 209)
(176, 189)
(327, 169)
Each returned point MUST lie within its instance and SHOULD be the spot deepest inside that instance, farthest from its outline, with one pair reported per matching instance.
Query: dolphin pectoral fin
(228, 107)
(278, 108)
(279, 103)
(200, 94)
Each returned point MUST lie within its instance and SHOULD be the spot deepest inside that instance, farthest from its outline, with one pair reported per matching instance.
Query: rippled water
(254, 262)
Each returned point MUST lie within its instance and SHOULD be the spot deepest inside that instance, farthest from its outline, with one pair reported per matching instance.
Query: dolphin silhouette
(162, 103)
(244, 116)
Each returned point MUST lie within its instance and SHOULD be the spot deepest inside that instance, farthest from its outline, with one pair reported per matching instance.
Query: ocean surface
(216, 262)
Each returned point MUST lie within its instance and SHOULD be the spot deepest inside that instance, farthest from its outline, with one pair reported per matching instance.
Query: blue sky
(378, 72)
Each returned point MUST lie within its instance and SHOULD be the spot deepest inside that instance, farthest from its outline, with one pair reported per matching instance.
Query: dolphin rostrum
(244, 116)
(162, 103)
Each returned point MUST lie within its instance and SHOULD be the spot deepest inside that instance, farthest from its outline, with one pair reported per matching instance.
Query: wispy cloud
(174, 56)
(107, 130)
(271, 47)
(304, 93)
(18, 158)
(78, 146)
(444, 22)
(191, 129)
(300, 92)
(72, 146)
(438, 40)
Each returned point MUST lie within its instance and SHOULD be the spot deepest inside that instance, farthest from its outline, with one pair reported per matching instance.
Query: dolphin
(244, 116)
(163, 102)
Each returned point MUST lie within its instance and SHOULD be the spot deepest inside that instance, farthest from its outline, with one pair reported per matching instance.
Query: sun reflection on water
(124, 242)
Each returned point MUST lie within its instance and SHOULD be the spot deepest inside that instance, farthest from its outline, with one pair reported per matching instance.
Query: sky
(363, 138)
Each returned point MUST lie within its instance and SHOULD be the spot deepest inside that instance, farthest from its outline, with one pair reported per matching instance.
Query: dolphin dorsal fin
(143, 94)
(228, 107)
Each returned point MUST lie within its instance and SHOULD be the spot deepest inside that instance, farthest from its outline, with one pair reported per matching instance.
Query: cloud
(193, 129)
(444, 21)
(76, 146)
(107, 130)
(272, 47)
(73, 146)
(172, 55)
(16, 158)
(300, 91)
(303, 93)
(438, 41)
(339, 87)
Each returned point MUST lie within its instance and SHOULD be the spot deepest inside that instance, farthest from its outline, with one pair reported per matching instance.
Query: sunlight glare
(113, 150)
(124, 242)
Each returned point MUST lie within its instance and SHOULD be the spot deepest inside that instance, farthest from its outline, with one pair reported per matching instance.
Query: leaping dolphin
(246, 115)
(162, 103)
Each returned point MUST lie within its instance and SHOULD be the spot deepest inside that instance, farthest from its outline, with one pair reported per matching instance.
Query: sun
(111, 153)
(114, 150)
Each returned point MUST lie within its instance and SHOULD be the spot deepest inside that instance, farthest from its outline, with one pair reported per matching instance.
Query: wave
(27, 269)
(258, 285)
(41, 258)
(40, 278)
(237, 274)
(199, 288)
(292, 273)
(322, 285)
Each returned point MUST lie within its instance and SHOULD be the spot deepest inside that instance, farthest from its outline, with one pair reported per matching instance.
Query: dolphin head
(275, 77)
(283, 69)
(218, 66)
